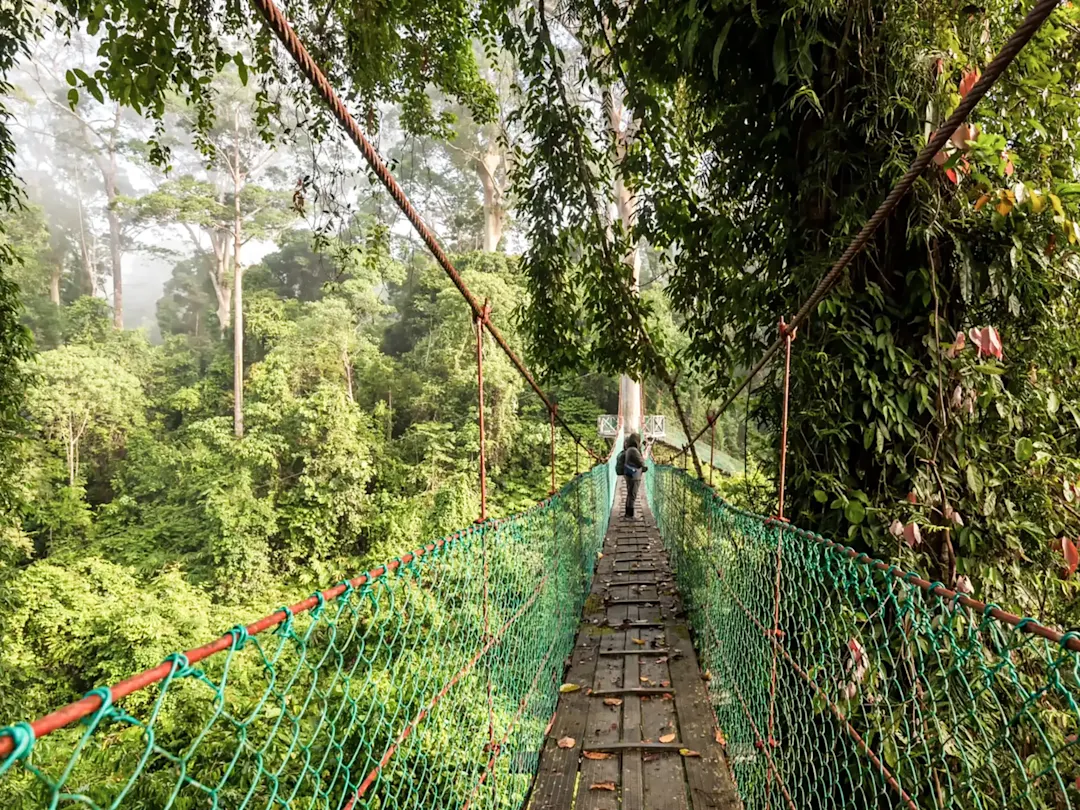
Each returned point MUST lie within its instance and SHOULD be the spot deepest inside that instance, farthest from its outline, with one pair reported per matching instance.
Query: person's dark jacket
(633, 458)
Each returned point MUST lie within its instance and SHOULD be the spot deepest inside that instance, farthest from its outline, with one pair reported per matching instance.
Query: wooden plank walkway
(642, 696)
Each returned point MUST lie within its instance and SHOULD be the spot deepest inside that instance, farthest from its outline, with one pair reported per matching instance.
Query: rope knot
(1071, 636)
(22, 738)
(181, 665)
(105, 695)
(286, 625)
(785, 331)
(240, 637)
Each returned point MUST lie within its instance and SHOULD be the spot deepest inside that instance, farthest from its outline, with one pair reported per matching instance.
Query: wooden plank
(631, 690)
(556, 777)
(635, 746)
(604, 725)
(633, 793)
(664, 778)
(638, 651)
(711, 787)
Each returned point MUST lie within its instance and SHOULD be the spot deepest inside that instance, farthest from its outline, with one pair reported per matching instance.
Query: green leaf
(719, 46)
(820, 496)
(1052, 403)
(1023, 449)
(70, 78)
(241, 68)
(73, 97)
(854, 512)
(779, 55)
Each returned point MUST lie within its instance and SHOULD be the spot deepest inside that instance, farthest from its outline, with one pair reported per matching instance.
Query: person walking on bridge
(633, 466)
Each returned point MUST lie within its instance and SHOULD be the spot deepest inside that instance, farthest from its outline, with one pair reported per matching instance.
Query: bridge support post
(788, 335)
(551, 413)
(712, 445)
(479, 321)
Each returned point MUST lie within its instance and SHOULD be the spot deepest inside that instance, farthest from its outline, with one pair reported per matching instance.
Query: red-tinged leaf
(993, 342)
(602, 786)
(939, 66)
(595, 755)
(896, 529)
(964, 586)
(613, 701)
(567, 742)
(1050, 245)
(912, 498)
(951, 174)
(666, 696)
(1009, 168)
(720, 737)
(1076, 784)
(968, 81)
(912, 535)
(551, 723)
(666, 738)
(983, 200)
(1072, 557)
(858, 654)
(940, 158)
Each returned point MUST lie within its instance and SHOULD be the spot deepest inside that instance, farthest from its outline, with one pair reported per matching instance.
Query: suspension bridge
(566, 657)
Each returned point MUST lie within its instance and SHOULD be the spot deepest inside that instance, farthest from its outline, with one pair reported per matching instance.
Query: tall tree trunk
(494, 214)
(219, 279)
(633, 416)
(108, 176)
(84, 248)
(54, 283)
(238, 290)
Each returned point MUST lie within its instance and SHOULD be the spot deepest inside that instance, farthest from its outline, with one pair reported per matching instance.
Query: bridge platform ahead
(639, 733)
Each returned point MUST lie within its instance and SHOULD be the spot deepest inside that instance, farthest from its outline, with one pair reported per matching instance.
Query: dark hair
(634, 440)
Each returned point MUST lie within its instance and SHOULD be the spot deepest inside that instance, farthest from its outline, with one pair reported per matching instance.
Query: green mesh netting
(430, 686)
(886, 695)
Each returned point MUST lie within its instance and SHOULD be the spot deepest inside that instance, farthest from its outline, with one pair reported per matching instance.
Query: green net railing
(841, 682)
(427, 683)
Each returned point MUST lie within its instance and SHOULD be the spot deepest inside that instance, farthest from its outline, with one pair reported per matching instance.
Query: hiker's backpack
(620, 463)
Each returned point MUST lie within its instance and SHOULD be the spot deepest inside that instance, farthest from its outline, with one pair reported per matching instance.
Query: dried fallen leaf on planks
(649, 757)
(569, 687)
(643, 679)
(666, 738)
(706, 676)
(602, 786)
(686, 752)
(551, 723)
(613, 701)
(720, 737)
(567, 742)
(638, 640)
(595, 755)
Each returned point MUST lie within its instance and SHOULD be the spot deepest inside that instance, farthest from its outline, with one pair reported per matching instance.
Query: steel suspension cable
(315, 76)
(1020, 37)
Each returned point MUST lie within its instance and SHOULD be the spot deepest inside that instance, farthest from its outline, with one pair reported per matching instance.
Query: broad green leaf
(719, 46)
(854, 512)
(1023, 449)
